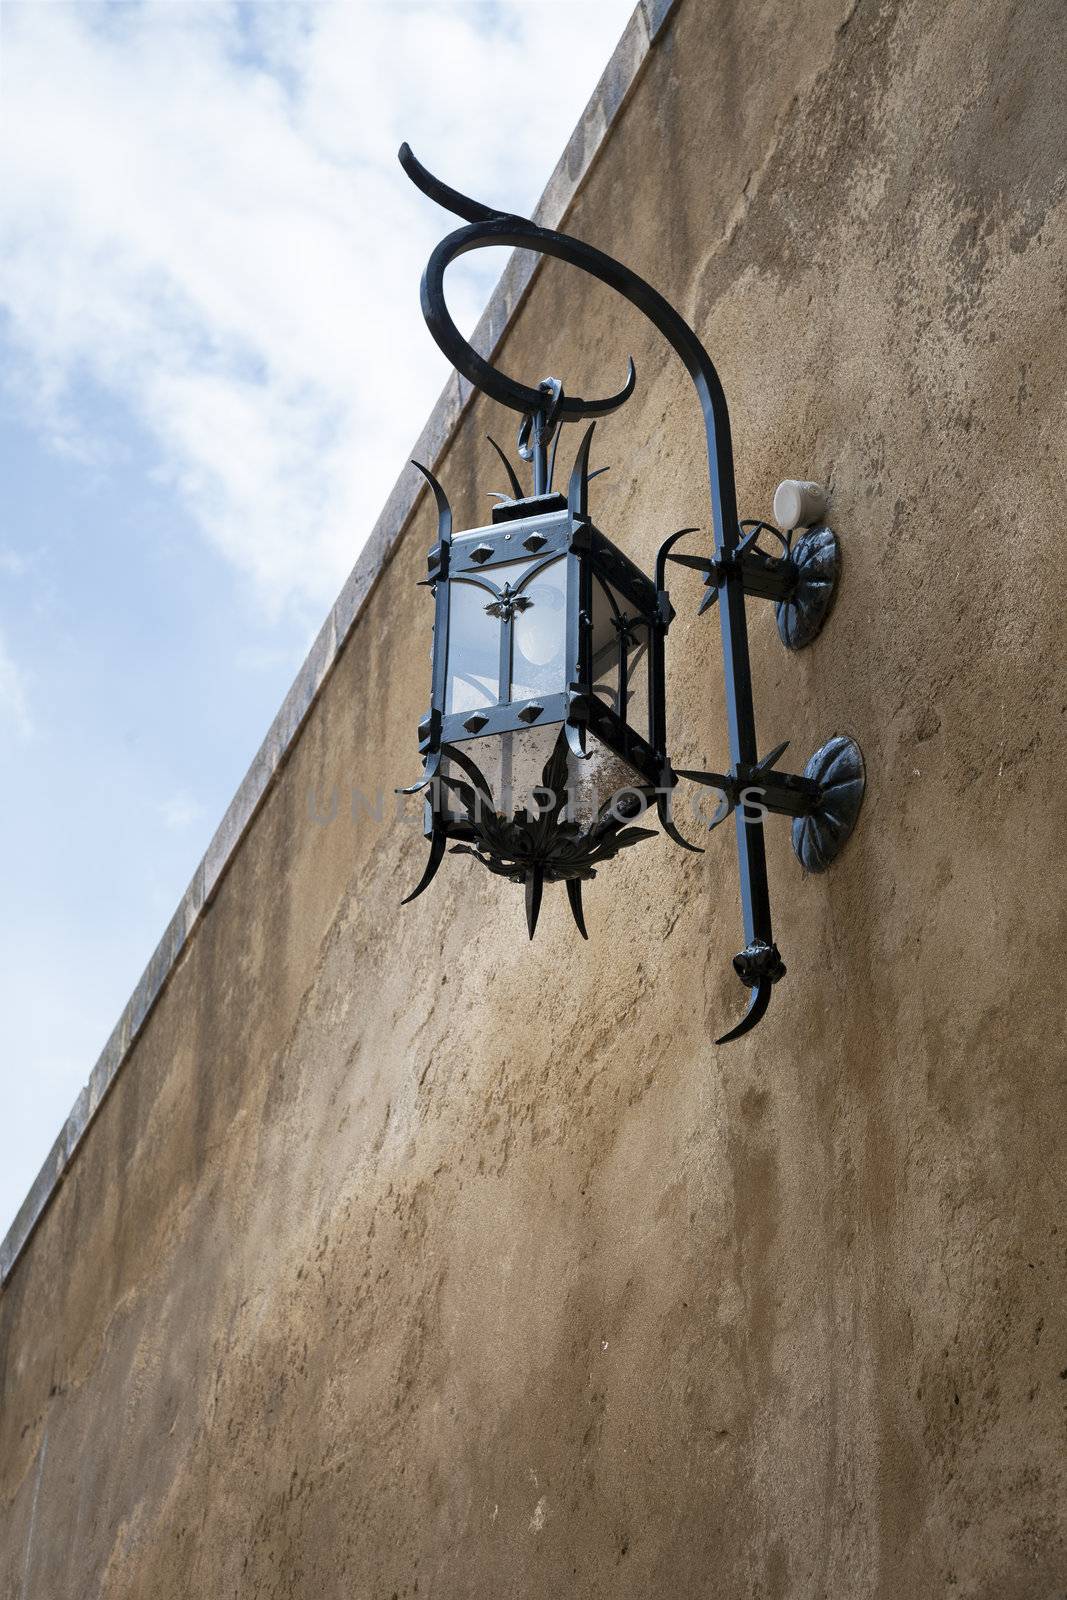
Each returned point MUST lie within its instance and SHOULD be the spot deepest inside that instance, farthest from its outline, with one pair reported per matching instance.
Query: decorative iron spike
(578, 488)
(758, 1001)
(574, 896)
(535, 888)
(697, 563)
(437, 852)
(767, 762)
(433, 762)
(444, 510)
(516, 486)
(666, 822)
(552, 458)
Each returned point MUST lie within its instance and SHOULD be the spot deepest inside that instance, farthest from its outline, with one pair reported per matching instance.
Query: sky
(212, 370)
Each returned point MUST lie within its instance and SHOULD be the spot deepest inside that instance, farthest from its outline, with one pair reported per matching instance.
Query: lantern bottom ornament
(545, 840)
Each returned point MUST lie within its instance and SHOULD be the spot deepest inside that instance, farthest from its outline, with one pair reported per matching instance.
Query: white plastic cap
(798, 504)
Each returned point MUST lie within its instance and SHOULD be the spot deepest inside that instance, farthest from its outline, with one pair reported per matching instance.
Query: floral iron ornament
(574, 636)
(508, 604)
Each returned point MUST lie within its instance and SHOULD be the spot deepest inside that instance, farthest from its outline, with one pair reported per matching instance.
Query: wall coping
(579, 156)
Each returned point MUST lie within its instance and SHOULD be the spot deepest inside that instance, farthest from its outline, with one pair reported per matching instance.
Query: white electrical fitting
(800, 505)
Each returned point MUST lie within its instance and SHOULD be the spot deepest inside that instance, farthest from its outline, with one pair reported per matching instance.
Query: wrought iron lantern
(548, 651)
(546, 740)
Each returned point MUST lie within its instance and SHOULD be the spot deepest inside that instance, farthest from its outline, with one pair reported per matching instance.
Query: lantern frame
(543, 531)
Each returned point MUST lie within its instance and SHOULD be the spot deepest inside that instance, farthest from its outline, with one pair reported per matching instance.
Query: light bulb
(538, 631)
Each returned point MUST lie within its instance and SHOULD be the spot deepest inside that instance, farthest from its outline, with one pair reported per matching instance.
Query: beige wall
(408, 1258)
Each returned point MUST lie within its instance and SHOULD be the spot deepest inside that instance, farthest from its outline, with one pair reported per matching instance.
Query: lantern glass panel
(539, 634)
(473, 649)
(605, 646)
(618, 628)
(512, 765)
(602, 778)
(637, 704)
(510, 572)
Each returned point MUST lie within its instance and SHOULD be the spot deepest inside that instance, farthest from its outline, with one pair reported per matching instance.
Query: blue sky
(212, 367)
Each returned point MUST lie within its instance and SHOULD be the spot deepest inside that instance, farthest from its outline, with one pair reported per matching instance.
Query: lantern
(543, 741)
(548, 684)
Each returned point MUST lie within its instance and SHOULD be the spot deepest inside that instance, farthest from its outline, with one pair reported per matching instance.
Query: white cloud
(181, 811)
(14, 704)
(203, 216)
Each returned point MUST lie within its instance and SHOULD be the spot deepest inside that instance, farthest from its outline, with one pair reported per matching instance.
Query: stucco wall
(405, 1257)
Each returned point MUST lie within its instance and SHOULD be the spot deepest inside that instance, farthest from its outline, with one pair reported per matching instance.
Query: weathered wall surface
(407, 1258)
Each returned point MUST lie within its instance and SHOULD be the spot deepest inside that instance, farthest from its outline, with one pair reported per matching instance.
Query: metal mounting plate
(819, 837)
(816, 562)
